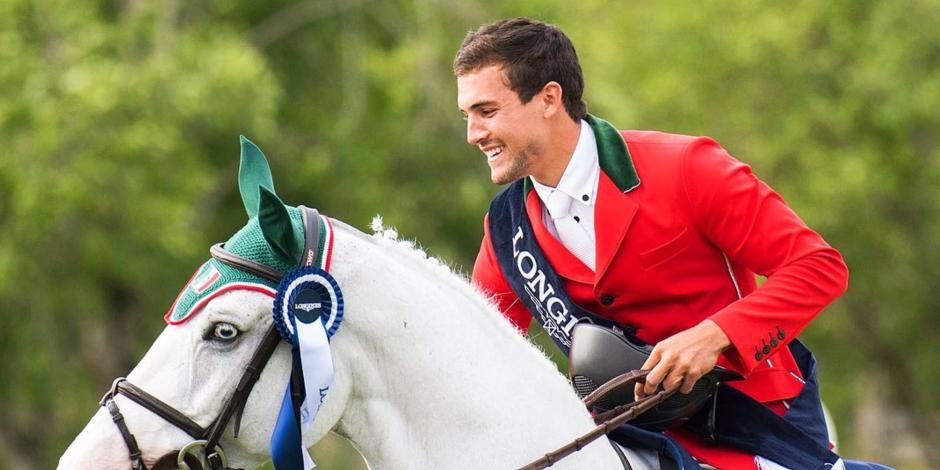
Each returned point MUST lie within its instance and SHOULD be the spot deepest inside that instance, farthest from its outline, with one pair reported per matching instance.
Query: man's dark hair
(532, 54)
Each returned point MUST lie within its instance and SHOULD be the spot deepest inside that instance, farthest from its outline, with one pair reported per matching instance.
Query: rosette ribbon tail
(307, 311)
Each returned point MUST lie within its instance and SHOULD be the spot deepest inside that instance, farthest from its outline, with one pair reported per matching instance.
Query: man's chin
(497, 176)
(506, 172)
(501, 178)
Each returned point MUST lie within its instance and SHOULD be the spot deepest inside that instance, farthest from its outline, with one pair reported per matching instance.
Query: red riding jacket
(681, 228)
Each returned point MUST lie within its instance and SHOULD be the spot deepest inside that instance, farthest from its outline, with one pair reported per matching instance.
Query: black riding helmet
(599, 354)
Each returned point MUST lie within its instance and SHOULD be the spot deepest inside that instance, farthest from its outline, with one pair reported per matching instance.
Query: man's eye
(488, 112)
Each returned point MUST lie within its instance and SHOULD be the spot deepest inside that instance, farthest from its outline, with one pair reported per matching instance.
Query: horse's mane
(389, 237)
(412, 253)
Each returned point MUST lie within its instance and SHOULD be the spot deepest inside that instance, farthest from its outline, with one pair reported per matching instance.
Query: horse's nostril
(168, 462)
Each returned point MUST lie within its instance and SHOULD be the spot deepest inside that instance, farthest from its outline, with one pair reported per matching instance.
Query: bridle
(205, 447)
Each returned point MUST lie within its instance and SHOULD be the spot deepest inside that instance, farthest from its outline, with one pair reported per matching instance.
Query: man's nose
(476, 132)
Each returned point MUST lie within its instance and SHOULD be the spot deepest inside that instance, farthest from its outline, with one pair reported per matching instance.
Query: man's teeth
(493, 153)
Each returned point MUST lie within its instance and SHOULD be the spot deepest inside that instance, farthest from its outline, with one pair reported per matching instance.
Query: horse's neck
(440, 377)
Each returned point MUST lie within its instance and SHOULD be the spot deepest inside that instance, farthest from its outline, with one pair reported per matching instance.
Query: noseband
(205, 446)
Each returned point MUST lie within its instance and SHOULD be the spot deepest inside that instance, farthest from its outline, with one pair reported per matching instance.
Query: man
(659, 234)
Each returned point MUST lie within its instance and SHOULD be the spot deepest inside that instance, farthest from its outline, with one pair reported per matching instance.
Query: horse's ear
(253, 171)
(277, 227)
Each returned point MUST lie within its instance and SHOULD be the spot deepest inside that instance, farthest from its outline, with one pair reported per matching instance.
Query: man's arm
(488, 277)
(753, 226)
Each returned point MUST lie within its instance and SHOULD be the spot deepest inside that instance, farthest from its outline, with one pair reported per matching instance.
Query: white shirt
(568, 209)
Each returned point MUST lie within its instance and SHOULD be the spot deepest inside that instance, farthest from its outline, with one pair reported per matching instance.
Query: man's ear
(551, 99)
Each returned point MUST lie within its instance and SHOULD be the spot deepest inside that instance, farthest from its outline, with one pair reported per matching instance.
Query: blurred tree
(835, 105)
(113, 168)
(120, 119)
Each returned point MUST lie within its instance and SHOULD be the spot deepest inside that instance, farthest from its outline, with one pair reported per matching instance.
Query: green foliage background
(118, 145)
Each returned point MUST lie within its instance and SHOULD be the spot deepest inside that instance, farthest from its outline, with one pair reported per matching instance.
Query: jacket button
(758, 356)
(607, 299)
(766, 349)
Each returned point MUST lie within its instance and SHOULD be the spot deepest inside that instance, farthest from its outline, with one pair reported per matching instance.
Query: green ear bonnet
(275, 245)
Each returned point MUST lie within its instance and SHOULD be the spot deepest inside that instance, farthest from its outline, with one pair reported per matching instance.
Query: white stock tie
(570, 232)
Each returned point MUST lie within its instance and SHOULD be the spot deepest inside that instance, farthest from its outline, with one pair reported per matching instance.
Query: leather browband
(219, 252)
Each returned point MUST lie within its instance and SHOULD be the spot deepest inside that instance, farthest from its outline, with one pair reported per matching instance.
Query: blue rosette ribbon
(308, 310)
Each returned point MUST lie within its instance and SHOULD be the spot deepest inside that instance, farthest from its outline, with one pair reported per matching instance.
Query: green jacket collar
(613, 154)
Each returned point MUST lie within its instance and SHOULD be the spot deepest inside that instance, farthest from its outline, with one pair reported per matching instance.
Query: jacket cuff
(736, 357)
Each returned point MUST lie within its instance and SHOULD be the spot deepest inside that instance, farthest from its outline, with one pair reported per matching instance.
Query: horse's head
(219, 326)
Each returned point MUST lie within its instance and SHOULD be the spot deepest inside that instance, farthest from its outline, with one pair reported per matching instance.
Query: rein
(608, 421)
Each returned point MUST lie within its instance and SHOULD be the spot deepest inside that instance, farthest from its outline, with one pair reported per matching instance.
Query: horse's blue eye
(224, 332)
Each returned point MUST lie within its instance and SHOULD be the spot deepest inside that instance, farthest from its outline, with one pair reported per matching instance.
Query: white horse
(428, 374)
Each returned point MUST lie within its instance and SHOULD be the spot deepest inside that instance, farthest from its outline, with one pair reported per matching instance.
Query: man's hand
(683, 357)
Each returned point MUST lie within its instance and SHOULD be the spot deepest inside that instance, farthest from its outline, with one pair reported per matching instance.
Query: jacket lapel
(612, 217)
(615, 209)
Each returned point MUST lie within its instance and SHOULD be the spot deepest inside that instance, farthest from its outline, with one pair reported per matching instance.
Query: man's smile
(492, 153)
